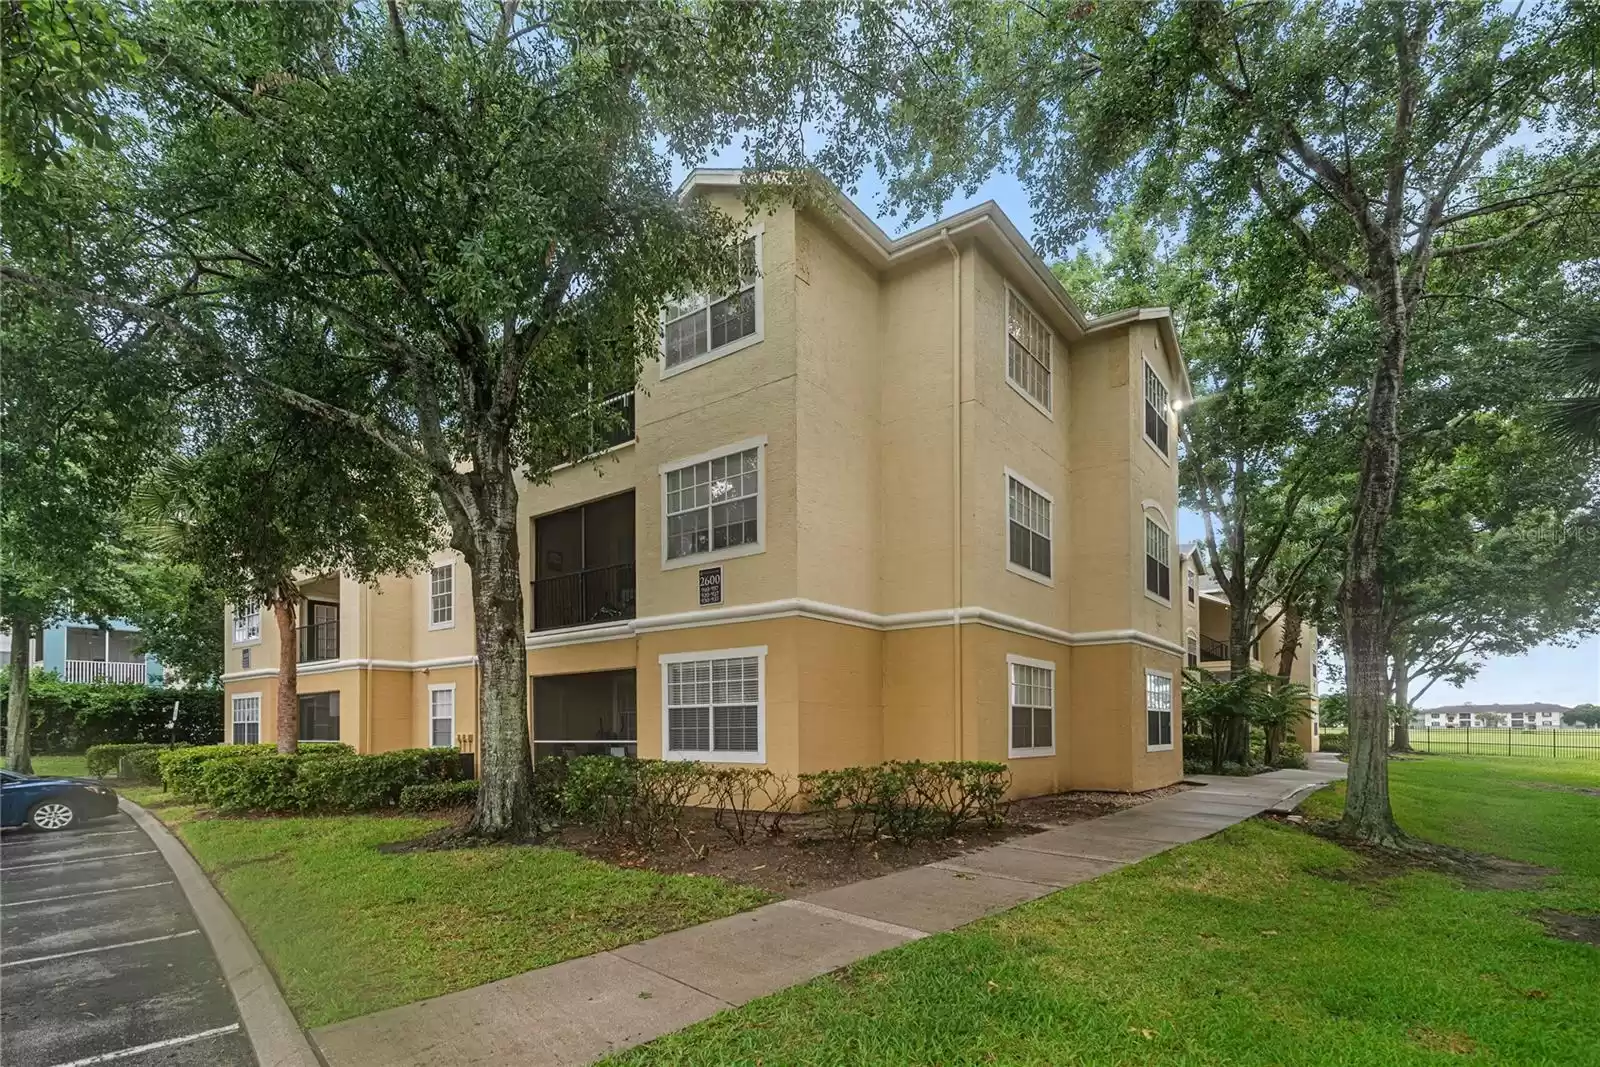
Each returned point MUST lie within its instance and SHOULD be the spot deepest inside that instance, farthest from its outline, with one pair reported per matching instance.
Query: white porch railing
(95, 670)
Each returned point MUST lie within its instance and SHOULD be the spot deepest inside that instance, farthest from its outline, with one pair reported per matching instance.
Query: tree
(267, 495)
(1582, 715)
(177, 611)
(1278, 706)
(1376, 136)
(82, 408)
(474, 199)
(1573, 359)
(1263, 441)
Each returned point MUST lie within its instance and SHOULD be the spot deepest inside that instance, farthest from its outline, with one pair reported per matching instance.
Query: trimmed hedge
(103, 759)
(182, 768)
(361, 783)
(910, 800)
(437, 796)
(323, 777)
(69, 717)
(1333, 743)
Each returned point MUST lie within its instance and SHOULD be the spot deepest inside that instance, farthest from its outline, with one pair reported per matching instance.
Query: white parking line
(77, 896)
(101, 948)
(107, 1057)
(86, 859)
(33, 839)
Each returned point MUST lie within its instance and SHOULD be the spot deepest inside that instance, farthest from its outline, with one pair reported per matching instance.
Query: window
(1157, 560)
(713, 505)
(1027, 352)
(442, 596)
(1028, 528)
(1155, 409)
(1189, 581)
(319, 716)
(1158, 710)
(699, 327)
(714, 705)
(246, 623)
(247, 719)
(1194, 651)
(1033, 707)
(442, 715)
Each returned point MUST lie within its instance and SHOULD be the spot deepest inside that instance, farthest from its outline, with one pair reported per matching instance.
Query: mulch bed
(1584, 929)
(803, 859)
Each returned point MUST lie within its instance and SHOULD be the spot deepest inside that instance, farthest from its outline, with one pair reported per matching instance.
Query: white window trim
(1144, 400)
(435, 565)
(1165, 602)
(237, 615)
(1005, 351)
(1028, 753)
(700, 559)
(445, 687)
(760, 754)
(1172, 691)
(1005, 542)
(731, 347)
(233, 712)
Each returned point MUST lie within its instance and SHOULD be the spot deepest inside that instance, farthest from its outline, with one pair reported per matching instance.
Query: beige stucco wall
(877, 393)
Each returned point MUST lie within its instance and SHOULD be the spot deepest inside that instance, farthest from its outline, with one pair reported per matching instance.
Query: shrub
(621, 796)
(70, 717)
(103, 760)
(748, 800)
(361, 783)
(1290, 756)
(182, 768)
(264, 783)
(435, 796)
(910, 800)
(549, 786)
(141, 765)
(1334, 743)
(601, 791)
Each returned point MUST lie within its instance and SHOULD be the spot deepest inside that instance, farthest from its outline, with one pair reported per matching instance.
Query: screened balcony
(95, 654)
(583, 565)
(594, 714)
(318, 638)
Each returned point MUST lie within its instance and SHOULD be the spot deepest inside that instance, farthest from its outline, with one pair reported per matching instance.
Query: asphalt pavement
(101, 958)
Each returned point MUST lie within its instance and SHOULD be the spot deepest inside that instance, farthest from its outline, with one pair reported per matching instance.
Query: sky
(1548, 673)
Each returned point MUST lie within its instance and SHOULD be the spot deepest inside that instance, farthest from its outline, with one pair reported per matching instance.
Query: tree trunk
(1367, 814)
(1241, 633)
(19, 755)
(1273, 745)
(1290, 622)
(1402, 686)
(288, 675)
(505, 793)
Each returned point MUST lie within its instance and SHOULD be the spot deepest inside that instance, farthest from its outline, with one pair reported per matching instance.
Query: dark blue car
(52, 803)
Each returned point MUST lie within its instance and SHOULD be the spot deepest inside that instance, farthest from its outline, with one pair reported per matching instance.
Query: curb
(274, 1035)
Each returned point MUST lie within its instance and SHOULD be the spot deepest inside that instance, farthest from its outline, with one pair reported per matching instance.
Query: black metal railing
(598, 594)
(318, 641)
(614, 427)
(1212, 650)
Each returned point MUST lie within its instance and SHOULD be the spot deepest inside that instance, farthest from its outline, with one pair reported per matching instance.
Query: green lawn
(349, 930)
(1237, 950)
(68, 766)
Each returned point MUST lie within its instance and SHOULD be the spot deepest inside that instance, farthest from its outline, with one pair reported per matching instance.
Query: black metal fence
(1212, 650)
(599, 594)
(1545, 743)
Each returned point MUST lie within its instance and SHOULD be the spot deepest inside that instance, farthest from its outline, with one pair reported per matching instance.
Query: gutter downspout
(958, 715)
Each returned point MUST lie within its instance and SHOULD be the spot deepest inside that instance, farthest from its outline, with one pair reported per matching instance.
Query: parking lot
(101, 958)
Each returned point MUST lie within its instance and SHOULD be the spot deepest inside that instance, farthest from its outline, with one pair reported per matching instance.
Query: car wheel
(51, 815)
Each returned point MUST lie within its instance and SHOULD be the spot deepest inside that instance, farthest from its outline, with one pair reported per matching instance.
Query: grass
(1563, 743)
(1263, 945)
(66, 766)
(350, 930)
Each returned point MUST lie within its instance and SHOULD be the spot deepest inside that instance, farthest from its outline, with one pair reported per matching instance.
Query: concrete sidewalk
(578, 1011)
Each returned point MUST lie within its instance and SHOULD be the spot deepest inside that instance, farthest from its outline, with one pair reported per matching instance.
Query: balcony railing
(1212, 650)
(318, 641)
(99, 670)
(598, 594)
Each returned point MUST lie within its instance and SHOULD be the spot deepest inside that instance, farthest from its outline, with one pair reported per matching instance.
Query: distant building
(81, 651)
(1479, 716)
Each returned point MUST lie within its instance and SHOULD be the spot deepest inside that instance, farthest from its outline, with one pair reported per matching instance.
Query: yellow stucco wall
(879, 393)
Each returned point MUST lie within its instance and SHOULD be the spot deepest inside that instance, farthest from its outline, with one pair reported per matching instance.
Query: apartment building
(895, 498)
(79, 650)
(1207, 617)
(1479, 716)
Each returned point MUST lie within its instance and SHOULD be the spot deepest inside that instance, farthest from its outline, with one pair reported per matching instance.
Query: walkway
(578, 1011)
